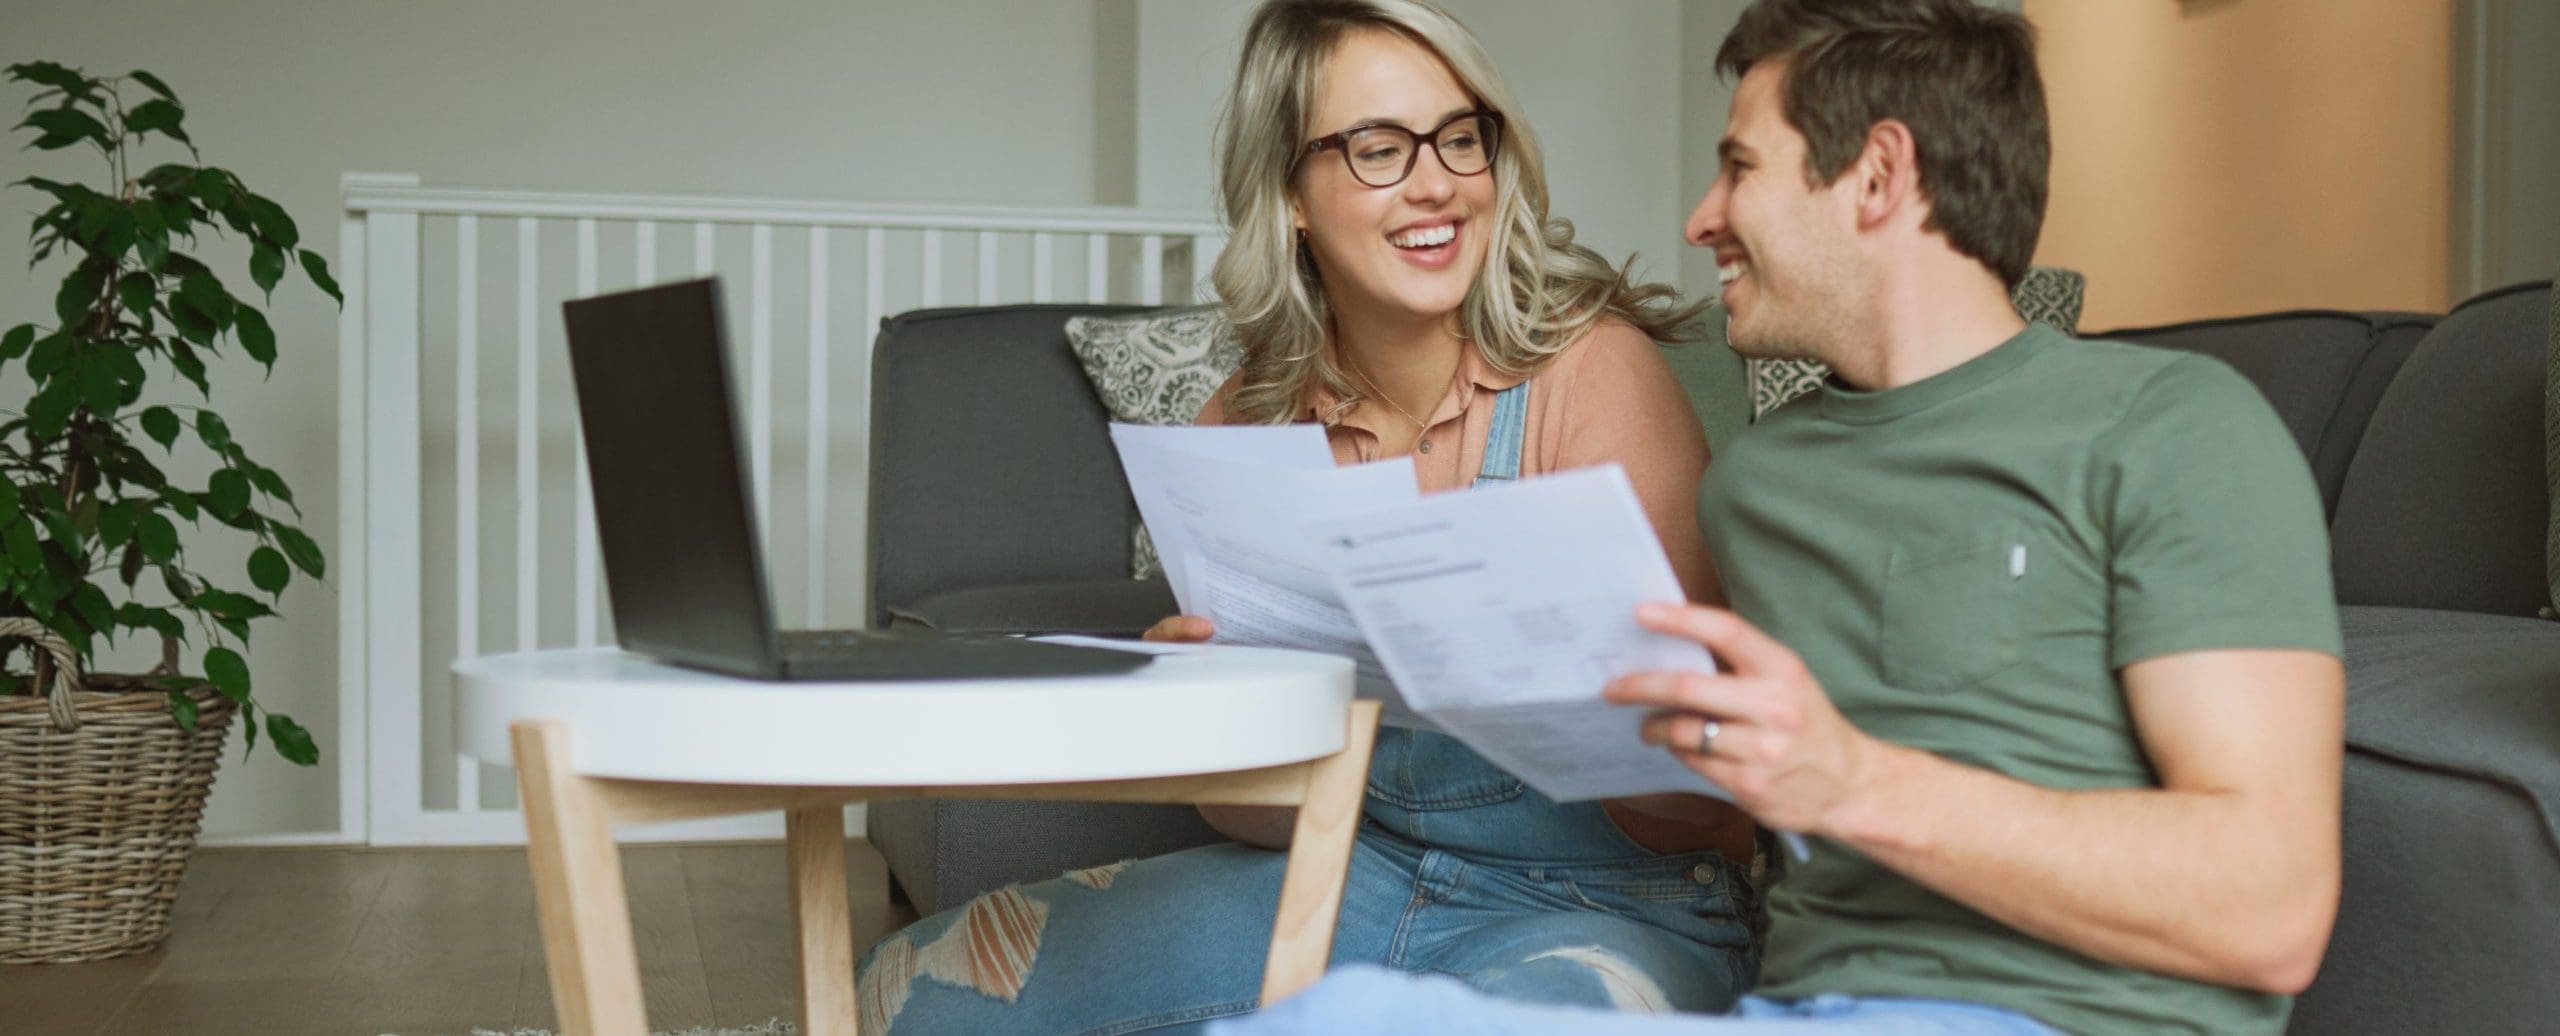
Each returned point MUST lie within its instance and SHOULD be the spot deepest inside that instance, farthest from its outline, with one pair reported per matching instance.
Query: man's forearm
(2204, 884)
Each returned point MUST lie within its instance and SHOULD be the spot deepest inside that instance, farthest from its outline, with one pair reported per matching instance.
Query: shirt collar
(1476, 375)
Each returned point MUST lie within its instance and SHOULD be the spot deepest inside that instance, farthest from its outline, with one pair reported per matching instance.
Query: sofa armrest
(1107, 607)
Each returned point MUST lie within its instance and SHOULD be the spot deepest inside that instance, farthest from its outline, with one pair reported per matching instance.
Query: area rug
(776, 1028)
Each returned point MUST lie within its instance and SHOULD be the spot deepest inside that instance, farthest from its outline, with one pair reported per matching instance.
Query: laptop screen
(681, 560)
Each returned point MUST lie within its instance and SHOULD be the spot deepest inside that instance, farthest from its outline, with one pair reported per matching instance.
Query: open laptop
(681, 559)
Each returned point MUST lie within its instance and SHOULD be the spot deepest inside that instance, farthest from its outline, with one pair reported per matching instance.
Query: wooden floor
(357, 942)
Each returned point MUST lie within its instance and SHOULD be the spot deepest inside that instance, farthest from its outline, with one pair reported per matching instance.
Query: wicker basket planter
(101, 793)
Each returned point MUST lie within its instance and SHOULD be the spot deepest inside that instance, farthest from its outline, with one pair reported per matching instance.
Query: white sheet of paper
(1142, 447)
(1230, 529)
(1500, 613)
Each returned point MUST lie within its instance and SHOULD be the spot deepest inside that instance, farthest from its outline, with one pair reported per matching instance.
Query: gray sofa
(996, 504)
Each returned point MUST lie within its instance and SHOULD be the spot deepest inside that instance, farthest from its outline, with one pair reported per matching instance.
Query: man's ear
(1888, 171)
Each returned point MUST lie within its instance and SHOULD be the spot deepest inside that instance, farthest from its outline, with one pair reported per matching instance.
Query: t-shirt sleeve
(2215, 526)
(1625, 406)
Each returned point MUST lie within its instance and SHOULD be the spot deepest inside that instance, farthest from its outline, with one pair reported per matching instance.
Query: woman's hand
(1179, 629)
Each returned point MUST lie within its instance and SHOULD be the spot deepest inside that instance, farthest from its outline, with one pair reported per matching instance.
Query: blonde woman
(1394, 276)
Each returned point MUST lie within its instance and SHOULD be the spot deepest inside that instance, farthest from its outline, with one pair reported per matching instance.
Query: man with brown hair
(2032, 637)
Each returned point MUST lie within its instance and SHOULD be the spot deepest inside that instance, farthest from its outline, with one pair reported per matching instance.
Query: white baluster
(466, 477)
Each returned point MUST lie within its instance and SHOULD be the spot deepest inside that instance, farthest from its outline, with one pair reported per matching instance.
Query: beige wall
(2216, 157)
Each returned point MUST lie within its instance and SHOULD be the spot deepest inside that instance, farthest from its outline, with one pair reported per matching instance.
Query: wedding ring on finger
(1707, 737)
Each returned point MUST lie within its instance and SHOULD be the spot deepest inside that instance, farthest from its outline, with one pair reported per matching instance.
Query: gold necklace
(1418, 424)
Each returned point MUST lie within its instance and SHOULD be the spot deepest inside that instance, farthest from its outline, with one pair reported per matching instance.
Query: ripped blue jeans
(1458, 870)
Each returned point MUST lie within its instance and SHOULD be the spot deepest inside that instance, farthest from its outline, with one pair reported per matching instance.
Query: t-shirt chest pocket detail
(1952, 610)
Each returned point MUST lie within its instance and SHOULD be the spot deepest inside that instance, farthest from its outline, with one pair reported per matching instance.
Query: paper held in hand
(1493, 615)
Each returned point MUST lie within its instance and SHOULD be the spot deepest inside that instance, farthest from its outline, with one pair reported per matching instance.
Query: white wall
(993, 101)
(959, 100)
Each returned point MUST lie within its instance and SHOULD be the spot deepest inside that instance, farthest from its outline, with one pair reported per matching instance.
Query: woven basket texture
(96, 822)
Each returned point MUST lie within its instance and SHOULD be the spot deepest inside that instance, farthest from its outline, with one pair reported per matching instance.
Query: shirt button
(1426, 445)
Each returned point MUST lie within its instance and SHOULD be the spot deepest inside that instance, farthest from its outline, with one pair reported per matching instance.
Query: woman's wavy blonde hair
(1538, 291)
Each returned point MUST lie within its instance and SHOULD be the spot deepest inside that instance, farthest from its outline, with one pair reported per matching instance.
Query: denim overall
(1459, 869)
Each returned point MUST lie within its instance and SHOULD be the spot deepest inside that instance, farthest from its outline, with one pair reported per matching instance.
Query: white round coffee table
(601, 737)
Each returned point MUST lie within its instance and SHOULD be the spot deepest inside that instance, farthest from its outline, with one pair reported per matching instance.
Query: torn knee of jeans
(1629, 987)
(1098, 878)
(989, 948)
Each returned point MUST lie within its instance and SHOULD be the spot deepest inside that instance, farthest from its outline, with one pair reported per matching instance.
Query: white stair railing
(466, 524)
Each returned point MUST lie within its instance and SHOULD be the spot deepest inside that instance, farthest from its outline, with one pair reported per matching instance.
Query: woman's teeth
(1727, 273)
(1425, 237)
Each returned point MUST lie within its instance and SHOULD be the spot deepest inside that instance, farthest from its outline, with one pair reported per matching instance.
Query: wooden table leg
(822, 920)
(1319, 860)
(577, 886)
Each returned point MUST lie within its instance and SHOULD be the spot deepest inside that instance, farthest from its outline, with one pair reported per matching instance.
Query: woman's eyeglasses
(1382, 156)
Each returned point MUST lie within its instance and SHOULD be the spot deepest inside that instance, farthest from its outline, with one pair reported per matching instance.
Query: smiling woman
(1423, 306)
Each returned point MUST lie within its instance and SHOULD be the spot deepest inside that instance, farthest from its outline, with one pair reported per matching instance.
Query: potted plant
(103, 778)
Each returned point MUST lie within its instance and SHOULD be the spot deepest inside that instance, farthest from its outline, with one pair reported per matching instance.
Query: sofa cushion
(2468, 693)
(1105, 607)
(2046, 295)
(2445, 504)
(2322, 370)
(1155, 368)
(990, 464)
(2551, 460)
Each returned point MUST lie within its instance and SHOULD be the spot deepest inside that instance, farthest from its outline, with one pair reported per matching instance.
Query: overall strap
(1508, 438)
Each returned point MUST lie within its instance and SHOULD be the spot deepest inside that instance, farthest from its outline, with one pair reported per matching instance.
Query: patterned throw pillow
(1156, 368)
(2048, 295)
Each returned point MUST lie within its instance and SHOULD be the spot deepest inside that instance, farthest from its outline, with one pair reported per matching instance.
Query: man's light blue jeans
(1360, 1001)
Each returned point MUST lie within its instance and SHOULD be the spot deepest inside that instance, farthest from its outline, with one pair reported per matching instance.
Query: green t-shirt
(1965, 562)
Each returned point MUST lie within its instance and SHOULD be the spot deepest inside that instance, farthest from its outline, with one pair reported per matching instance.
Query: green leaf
(163, 623)
(193, 326)
(15, 343)
(271, 221)
(50, 411)
(9, 510)
(205, 293)
(213, 187)
(115, 522)
(94, 608)
(63, 127)
(228, 493)
(179, 586)
(229, 673)
(138, 292)
(48, 74)
(291, 741)
(211, 429)
(269, 482)
(183, 708)
(256, 338)
(266, 266)
(183, 357)
(223, 604)
(304, 553)
(130, 568)
(160, 116)
(159, 538)
(161, 424)
(154, 83)
(182, 503)
(25, 553)
(318, 269)
(268, 571)
(80, 291)
(100, 389)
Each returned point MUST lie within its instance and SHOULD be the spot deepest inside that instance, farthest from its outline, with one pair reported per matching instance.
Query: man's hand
(1179, 629)
(1781, 749)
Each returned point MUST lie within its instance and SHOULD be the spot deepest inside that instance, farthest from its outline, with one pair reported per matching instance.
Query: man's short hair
(1961, 75)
